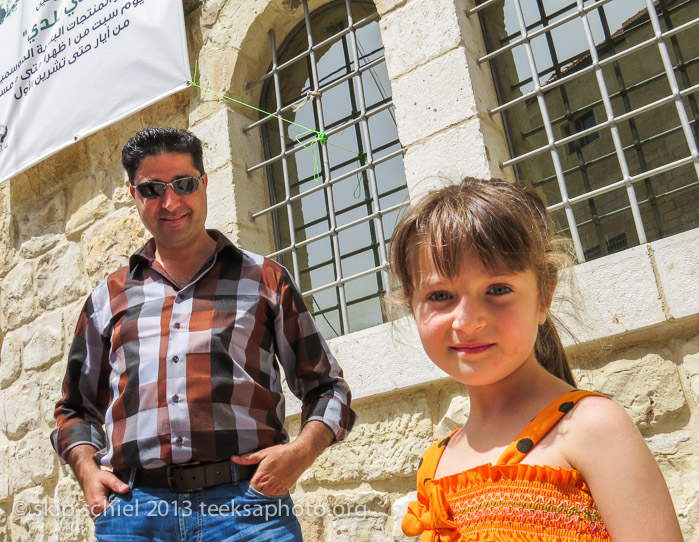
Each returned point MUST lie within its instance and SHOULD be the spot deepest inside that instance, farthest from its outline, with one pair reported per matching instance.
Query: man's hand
(96, 483)
(281, 465)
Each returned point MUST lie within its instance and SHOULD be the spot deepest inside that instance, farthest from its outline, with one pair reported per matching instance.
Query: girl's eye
(499, 289)
(438, 296)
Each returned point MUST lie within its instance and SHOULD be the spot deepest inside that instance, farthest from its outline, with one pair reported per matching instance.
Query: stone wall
(67, 222)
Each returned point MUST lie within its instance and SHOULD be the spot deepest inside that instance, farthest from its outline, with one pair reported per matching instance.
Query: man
(173, 376)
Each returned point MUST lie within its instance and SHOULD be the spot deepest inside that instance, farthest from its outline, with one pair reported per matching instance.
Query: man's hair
(155, 140)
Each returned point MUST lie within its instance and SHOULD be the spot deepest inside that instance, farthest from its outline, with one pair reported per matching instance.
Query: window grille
(598, 101)
(334, 203)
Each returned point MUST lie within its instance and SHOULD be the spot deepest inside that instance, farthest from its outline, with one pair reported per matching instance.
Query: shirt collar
(146, 254)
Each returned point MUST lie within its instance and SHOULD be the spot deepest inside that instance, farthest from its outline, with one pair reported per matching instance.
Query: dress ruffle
(507, 502)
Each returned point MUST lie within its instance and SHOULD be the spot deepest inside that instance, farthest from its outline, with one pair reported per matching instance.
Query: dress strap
(535, 430)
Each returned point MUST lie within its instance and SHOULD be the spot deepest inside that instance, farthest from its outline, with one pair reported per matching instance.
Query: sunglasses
(156, 189)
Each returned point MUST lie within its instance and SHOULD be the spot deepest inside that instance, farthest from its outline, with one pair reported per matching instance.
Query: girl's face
(478, 327)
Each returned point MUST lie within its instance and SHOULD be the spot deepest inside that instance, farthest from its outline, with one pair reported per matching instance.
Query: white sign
(68, 68)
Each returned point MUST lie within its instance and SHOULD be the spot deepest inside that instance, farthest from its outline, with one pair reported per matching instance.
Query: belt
(188, 477)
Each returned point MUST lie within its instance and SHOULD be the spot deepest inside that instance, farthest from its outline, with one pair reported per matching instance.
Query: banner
(68, 68)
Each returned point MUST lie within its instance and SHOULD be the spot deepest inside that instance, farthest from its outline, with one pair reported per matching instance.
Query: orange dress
(507, 501)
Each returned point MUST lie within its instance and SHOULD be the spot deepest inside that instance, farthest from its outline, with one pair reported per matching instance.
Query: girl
(537, 459)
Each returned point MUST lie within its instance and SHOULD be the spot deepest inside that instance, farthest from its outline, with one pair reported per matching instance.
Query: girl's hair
(506, 225)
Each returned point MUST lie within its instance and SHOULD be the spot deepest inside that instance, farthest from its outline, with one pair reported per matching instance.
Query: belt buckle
(168, 474)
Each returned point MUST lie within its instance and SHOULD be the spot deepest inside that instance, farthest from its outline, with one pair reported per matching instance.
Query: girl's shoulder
(593, 425)
(595, 413)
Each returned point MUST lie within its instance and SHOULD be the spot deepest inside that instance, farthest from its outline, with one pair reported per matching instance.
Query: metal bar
(481, 7)
(340, 283)
(604, 157)
(625, 90)
(546, 28)
(624, 95)
(370, 173)
(313, 48)
(583, 71)
(616, 136)
(325, 160)
(622, 183)
(297, 148)
(641, 203)
(285, 162)
(672, 80)
(339, 229)
(597, 127)
(549, 133)
(331, 182)
(289, 107)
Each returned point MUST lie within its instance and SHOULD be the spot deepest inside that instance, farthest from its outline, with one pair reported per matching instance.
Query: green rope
(313, 146)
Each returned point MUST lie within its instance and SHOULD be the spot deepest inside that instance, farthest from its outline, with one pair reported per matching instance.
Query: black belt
(189, 476)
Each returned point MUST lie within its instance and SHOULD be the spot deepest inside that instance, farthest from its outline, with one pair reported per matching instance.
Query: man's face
(176, 222)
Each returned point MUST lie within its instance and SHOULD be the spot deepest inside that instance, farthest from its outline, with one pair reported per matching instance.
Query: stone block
(216, 140)
(10, 358)
(405, 29)
(4, 534)
(36, 246)
(55, 286)
(312, 527)
(4, 473)
(395, 353)
(398, 511)
(33, 461)
(43, 341)
(667, 443)
(454, 407)
(384, 6)
(600, 305)
(87, 214)
(676, 259)
(7, 251)
(470, 28)
(72, 523)
(387, 442)
(109, 244)
(682, 477)
(42, 217)
(50, 391)
(223, 207)
(233, 197)
(17, 296)
(28, 518)
(691, 367)
(648, 388)
(369, 529)
(446, 157)
(17, 408)
(433, 97)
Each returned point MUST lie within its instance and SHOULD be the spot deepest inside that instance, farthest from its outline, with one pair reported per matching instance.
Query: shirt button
(179, 440)
(175, 398)
(177, 325)
(175, 359)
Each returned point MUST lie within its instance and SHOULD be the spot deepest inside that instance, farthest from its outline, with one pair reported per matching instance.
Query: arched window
(334, 202)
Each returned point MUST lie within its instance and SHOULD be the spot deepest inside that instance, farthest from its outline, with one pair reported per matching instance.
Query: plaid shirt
(192, 374)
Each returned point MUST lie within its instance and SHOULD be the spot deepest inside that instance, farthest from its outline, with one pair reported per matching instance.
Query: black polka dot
(525, 445)
(565, 407)
(443, 443)
(420, 463)
(426, 480)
